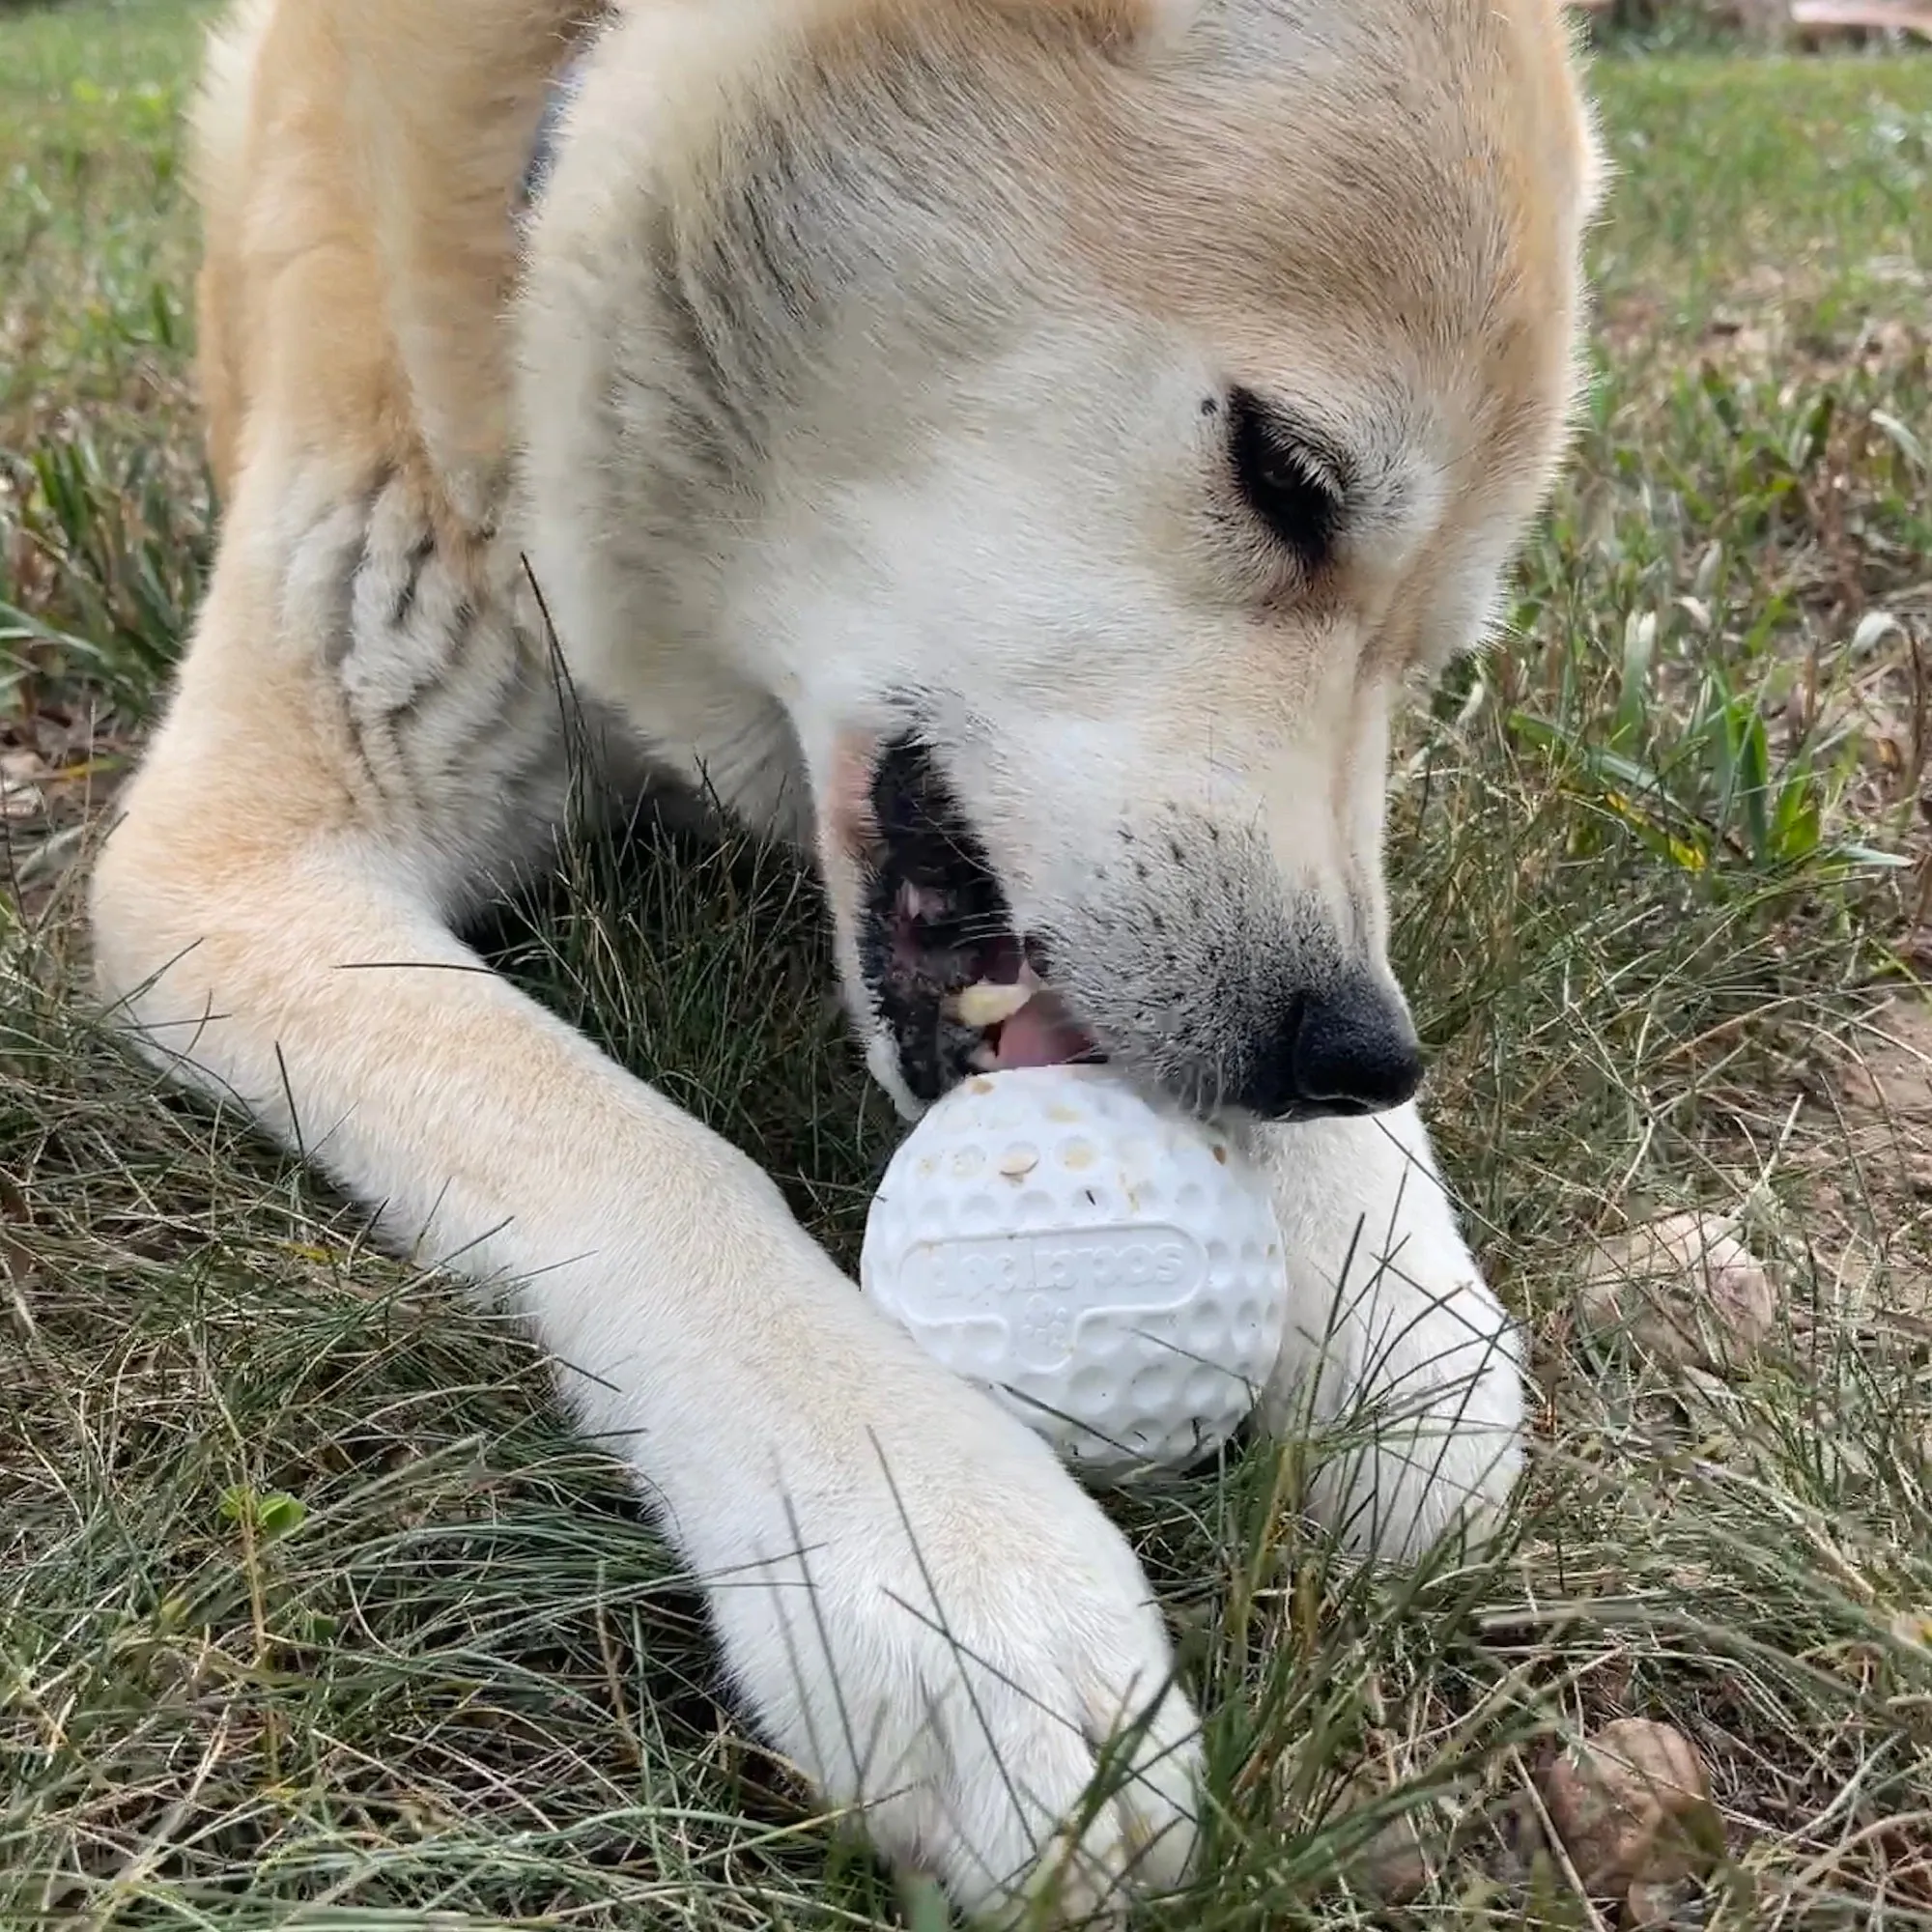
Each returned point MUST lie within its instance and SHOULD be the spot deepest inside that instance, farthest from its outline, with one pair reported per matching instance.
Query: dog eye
(1285, 485)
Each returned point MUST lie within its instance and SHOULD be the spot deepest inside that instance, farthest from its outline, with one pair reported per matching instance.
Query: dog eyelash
(1284, 482)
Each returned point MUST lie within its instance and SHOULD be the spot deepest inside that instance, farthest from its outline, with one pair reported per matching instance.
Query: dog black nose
(1350, 1048)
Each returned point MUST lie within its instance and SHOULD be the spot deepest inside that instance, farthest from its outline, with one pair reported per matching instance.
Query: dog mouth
(959, 988)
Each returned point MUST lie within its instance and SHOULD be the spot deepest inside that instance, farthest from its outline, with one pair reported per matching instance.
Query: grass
(1786, 177)
(310, 1606)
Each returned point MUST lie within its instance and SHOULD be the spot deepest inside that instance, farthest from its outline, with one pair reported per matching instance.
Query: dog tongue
(1041, 1034)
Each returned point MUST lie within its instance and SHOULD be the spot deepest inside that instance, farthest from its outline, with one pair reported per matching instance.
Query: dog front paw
(1412, 1397)
(957, 1642)
(1399, 1364)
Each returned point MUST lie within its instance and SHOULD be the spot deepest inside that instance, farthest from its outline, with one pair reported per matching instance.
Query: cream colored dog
(1019, 449)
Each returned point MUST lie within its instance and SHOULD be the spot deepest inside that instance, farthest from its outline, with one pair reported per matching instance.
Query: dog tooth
(920, 902)
(986, 1003)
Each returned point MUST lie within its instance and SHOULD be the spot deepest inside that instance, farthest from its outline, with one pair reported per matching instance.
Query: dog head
(1079, 422)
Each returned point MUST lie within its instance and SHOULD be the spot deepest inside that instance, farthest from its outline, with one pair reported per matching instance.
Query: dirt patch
(58, 771)
(1870, 1192)
(1888, 1086)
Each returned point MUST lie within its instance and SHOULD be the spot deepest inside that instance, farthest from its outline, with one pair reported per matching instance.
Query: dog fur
(865, 364)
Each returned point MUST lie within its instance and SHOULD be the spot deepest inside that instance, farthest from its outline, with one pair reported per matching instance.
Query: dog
(1020, 452)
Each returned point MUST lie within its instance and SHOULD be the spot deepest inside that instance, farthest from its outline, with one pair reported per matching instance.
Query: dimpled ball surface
(1112, 1271)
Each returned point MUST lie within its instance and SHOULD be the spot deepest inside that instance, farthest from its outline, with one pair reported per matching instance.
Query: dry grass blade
(311, 1610)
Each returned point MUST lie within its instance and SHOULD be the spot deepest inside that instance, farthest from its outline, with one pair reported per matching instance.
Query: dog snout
(1346, 1048)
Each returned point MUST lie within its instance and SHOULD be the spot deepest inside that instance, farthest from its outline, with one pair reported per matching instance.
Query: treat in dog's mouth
(961, 992)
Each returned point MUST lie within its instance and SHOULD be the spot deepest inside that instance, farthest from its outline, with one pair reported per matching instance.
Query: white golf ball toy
(1112, 1271)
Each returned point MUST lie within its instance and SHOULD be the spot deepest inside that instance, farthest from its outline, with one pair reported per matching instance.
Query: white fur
(983, 474)
(1399, 1358)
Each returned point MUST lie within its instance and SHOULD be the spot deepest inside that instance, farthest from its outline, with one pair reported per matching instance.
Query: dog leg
(1395, 1343)
(922, 1608)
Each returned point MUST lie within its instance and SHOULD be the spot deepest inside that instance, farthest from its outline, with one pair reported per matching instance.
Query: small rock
(21, 800)
(1651, 1908)
(1632, 1806)
(1395, 1865)
(1685, 1288)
